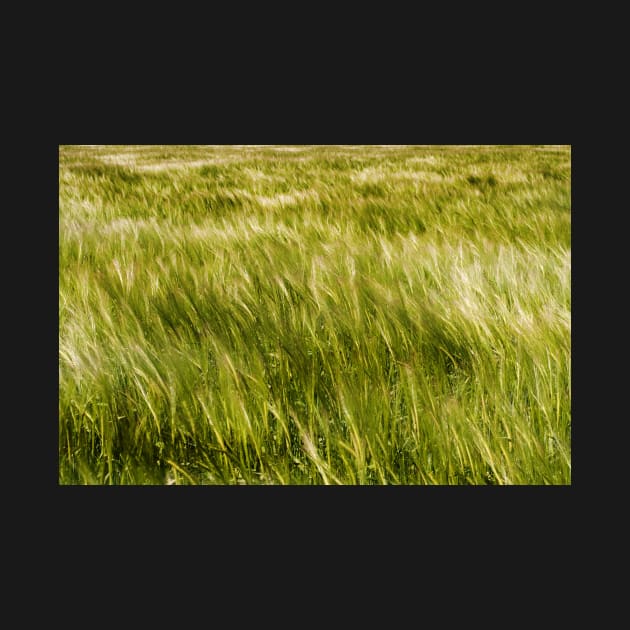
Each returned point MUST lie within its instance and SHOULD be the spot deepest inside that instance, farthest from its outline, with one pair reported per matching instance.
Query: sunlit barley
(314, 315)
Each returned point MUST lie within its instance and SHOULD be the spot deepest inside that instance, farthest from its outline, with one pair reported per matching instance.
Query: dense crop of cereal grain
(314, 315)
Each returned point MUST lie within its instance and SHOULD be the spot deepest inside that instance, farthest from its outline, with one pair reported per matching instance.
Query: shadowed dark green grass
(300, 315)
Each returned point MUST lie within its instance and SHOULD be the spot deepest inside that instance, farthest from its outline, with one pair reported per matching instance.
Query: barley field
(315, 315)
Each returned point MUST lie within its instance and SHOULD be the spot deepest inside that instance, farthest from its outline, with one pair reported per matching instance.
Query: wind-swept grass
(314, 315)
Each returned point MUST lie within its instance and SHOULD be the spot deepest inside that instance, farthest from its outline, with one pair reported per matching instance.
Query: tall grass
(314, 315)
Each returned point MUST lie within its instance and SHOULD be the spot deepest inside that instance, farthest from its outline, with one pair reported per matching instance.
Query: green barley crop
(314, 315)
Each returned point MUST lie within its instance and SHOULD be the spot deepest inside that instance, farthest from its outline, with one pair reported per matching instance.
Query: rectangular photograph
(314, 315)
